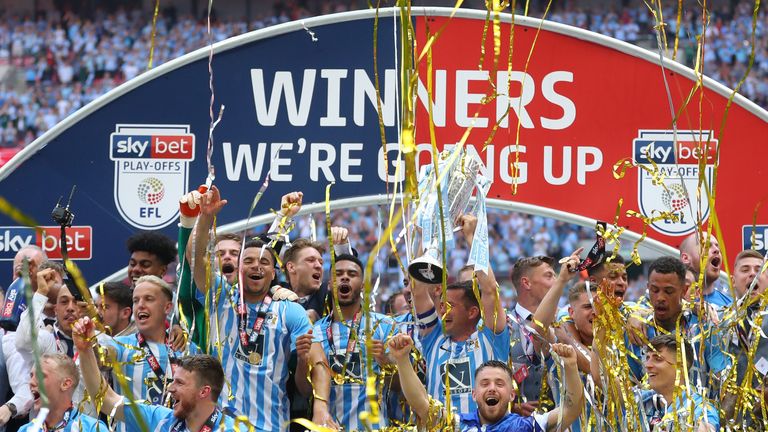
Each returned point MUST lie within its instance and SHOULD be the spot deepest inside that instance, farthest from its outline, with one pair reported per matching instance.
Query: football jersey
(348, 399)
(256, 376)
(73, 421)
(161, 419)
(456, 362)
(143, 383)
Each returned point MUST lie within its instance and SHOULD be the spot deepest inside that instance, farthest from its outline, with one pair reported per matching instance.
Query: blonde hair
(154, 280)
(64, 366)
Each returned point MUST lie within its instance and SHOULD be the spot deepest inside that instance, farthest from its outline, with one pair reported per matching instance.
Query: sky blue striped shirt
(161, 419)
(258, 390)
(77, 423)
(348, 400)
(461, 359)
(137, 371)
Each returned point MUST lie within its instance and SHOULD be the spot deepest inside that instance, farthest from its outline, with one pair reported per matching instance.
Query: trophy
(459, 174)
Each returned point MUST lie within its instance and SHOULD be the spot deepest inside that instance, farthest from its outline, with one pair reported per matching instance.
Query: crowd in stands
(727, 42)
(66, 61)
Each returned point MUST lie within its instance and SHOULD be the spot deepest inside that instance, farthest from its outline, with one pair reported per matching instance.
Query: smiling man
(57, 339)
(60, 379)
(747, 341)
(580, 337)
(256, 335)
(691, 253)
(151, 252)
(666, 290)
(114, 304)
(454, 353)
(493, 392)
(662, 410)
(195, 390)
(581, 310)
(150, 368)
(339, 345)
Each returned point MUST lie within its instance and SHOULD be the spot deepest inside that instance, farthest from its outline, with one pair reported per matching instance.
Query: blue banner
(299, 108)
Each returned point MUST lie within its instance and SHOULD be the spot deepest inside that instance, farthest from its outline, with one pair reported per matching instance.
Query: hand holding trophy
(459, 175)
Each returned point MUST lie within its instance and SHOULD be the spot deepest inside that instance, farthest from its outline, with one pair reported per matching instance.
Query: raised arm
(340, 238)
(571, 405)
(84, 337)
(400, 347)
(568, 334)
(45, 341)
(422, 301)
(547, 310)
(493, 310)
(189, 208)
(290, 204)
(196, 252)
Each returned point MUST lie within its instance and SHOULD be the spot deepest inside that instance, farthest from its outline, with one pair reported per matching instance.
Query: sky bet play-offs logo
(151, 163)
(79, 241)
(755, 237)
(675, 196)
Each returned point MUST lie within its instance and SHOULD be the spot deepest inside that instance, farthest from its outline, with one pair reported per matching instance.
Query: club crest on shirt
(271, 320)
(459, 375)
(354, 367)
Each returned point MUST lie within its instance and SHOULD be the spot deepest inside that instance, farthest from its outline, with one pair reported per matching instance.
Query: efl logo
(151, 163)
(680, 171)
(79, 241)
(760, 237)
(179, 147)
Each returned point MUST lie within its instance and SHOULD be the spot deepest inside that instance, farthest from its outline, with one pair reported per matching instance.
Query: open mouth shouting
(256, 276)
(142, 317)
(715, 262)
(345, 288)
(37, 402)
(492, 401)
(227, 268)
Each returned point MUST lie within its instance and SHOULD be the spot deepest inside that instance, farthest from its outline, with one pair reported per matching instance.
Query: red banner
(582, 107)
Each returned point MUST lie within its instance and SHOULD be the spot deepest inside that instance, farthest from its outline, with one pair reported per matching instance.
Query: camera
(62, 215)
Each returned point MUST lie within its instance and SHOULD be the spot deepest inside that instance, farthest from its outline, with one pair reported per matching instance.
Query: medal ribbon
(351, 341)
(65, 345)
(248, 341)
(154, 363)
(181, 425)
(62, 424)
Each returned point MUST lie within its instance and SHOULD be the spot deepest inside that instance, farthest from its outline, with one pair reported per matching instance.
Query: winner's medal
(254, 358)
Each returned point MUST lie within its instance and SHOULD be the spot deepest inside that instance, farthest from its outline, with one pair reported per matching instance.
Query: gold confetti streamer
(154, 32)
